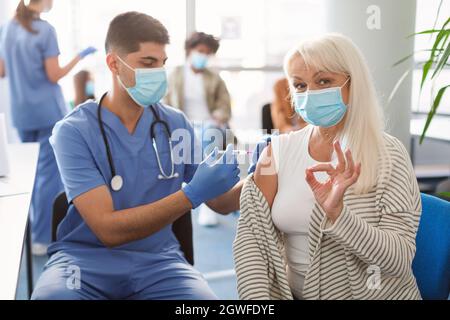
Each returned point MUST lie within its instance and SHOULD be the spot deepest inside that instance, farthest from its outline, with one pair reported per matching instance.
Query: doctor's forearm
(124, 226)
(228, 202)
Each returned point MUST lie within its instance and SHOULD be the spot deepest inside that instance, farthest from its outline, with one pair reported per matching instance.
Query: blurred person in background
(203, 96)
(284, 117)
(29, 58)
(84, 86)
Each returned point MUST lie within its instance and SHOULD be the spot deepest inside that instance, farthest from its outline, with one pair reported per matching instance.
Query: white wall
(6, 11)
(383, 44)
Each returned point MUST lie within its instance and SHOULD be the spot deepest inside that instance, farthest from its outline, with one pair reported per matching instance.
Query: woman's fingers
(350, 164)
(311, 179)
(355, 176)
(340, 155)
(323, 167)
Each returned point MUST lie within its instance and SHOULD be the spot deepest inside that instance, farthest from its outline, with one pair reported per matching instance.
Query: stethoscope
(117, 180)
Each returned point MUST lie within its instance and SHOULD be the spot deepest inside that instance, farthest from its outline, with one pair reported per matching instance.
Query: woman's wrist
(334, 213)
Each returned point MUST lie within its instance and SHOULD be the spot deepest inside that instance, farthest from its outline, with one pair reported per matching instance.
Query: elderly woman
(318, 222)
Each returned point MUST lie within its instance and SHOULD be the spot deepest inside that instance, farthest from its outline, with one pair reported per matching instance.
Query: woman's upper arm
(50, 52)
(52, 68)
(266, 177)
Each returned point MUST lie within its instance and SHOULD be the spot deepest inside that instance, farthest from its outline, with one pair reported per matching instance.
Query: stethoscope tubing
(116, 180)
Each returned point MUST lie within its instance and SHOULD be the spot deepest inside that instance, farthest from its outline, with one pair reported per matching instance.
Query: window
(258, 33)
(255, 36)
(426, 15)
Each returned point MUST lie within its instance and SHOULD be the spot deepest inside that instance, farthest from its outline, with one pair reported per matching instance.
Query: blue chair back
(431, 265)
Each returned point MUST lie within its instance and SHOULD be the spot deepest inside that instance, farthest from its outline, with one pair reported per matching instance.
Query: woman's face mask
(150, 85)
(322, 108)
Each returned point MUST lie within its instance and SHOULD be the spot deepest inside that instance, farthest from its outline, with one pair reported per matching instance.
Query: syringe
(237, 152)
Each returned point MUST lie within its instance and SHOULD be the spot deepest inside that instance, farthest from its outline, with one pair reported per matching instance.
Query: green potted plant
(437, 61)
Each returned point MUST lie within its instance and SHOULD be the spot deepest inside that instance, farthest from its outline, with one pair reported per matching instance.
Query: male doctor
(116, 241)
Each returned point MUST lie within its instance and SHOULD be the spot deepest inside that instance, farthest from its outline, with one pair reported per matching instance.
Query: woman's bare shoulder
(266, 177)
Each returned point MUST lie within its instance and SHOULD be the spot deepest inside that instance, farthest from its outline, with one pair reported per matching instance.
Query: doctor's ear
(112, 63)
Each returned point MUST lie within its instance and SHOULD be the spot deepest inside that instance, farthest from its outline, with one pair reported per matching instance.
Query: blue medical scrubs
(151, 268)
(36, 105)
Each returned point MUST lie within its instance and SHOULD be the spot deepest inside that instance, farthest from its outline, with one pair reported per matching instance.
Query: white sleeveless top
(294, 201)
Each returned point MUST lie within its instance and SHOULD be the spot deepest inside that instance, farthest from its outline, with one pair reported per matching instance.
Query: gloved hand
(258, 151)
(213, 177)
(89, 50)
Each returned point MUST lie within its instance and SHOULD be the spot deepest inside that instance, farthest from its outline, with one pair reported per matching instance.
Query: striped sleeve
(257, 250)
(250, 265)
(390, 245)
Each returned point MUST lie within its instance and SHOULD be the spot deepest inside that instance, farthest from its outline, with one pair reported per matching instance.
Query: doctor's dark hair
(128, 30)
(198, 38)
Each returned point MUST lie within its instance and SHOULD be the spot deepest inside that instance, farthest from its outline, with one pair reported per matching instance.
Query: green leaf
(441, 35)
(425, 70)
(434, 30)
(438, 13)
(411, 55)
(446, 23)
(404, 59)
(424, 32)
(443, 43)
(443, 60)
(432, 112)
(429, 63)
(445, 40)
(397, 86)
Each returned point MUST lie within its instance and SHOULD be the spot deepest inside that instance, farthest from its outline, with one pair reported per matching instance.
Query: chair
(267, 123)
(182, 228)
(431, 265)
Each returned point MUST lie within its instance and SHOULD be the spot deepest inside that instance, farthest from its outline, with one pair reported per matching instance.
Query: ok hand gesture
(330, 194)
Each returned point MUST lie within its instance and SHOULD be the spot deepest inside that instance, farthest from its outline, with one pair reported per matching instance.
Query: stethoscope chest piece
(165, 177)
(116, 183)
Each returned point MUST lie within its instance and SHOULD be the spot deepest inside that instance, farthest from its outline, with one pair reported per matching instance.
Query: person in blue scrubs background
(29, 58)
(116, 241)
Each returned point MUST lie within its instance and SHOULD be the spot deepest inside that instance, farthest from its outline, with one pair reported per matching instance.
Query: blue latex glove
(258, 151)
(89, 50)
(213, 177)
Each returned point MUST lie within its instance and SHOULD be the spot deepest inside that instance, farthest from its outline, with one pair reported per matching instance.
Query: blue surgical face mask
(199, 60)
(322, 108)
(89, 89)
(150, 87)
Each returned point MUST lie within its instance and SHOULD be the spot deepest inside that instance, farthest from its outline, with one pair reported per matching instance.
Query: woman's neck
(326, 135)
(321, 143)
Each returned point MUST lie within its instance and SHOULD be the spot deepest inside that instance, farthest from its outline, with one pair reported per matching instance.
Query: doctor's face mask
(150, 85)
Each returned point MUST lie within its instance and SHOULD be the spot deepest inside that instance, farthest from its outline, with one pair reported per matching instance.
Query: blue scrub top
(36, 103)
(82, 160)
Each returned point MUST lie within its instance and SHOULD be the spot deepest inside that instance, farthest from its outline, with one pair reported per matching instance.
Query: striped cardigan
(366, 254)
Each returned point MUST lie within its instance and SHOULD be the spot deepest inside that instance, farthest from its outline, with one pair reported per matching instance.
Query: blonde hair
(364, 124)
